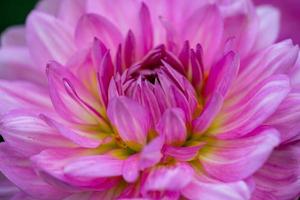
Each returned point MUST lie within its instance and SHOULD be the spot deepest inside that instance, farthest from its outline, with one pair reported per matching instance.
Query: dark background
(13, 12)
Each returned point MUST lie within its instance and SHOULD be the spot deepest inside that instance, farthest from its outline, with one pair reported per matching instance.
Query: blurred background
(14, 12)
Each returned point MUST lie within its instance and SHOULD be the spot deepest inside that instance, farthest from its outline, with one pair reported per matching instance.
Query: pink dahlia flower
(113, 99)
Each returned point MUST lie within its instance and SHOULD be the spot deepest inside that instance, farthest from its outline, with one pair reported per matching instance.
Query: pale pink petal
(130, 119)
(255, 107)
(286, 118)
(93, 167)
(276, 59)
(92, 26)
(209, 19)
(269, 21)
(186, 153)
(172, 126)
(130, 169)
(239, 158)
(20, 172)
(168, 178)
(71, 10)
(222, 74)
(13, 96)
(78, 137)
(13, 36)
(151, 153)
(28, 134)
(49, 6)
(210, 189)
(46, 34)
(16, 64)
(279, 178)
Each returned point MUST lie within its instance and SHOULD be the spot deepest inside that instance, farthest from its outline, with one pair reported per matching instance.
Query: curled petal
(130, 119)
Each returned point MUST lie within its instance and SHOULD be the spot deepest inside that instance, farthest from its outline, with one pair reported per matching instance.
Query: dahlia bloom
(154, 99)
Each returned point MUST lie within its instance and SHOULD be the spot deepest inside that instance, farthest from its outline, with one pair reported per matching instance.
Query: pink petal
(93, 167)
(28, 134)
(81, 138)
(45, 34)
(222, 74)
(243, 117)
(187, 153)
(71, 10)
(269, 20)
(279, 177)
(168, 178)
(19, 170)
(131, 120)
(151, 153)
(16, 64)
(172, 126)
(92, 26)
(13, 36)
(276, 59)
(286, 118)
(105, 71)
(209, 189)
(210, 111)
(130, 169)
(48, 6)
(146, 28)
(13, 97)
(69, 96)
(196, 27)
(240, 158)
(242, 25)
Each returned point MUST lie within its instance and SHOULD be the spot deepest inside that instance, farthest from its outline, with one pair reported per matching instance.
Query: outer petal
(13, 36)
(131, 120)
(287, 117)
(276, 59)
(16, 64)
(209, 189)
(197, 26)
(172, 126)
(279, 178)
(71, 10)
(92, 25)
(18, 170)
(234, 160)
(13, 97)
(46, 34)
(244, 116)
(28, 134)
(269, 20)
(7, 188)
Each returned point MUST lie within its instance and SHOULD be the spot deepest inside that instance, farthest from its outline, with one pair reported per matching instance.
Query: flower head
(111, 99)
